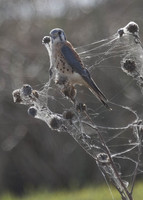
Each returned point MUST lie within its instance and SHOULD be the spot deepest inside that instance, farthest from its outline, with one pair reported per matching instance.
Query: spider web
(112, 138)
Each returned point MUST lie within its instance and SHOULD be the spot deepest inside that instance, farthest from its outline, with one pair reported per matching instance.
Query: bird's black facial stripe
(59, 33)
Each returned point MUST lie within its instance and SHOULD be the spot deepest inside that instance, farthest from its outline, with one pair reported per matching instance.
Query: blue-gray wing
(72, 59)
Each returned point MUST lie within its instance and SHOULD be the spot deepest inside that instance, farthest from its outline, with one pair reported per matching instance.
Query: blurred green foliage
(86, 193)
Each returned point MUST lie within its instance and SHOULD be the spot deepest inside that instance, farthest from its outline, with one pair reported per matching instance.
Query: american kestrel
(67, 65)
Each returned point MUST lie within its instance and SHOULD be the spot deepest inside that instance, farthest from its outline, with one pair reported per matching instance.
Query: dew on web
(112, 138)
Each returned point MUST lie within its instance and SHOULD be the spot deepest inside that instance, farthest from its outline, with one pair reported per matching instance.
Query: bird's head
(57, 35)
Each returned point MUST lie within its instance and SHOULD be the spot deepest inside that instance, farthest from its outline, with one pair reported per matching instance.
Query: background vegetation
(31, 155)
(89, 193)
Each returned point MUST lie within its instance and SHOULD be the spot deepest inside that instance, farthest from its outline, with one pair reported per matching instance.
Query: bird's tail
(96, 91)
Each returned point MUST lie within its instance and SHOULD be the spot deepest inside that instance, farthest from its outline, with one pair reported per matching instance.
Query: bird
(67, 65)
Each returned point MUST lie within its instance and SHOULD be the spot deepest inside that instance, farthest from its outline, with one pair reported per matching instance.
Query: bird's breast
(63, 69)
(60, 64)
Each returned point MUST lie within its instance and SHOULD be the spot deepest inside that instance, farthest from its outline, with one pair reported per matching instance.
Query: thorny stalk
(138, 132)
(126, 195)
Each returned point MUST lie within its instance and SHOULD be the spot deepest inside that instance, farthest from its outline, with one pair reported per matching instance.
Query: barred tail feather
(96, 91)
(100, 97)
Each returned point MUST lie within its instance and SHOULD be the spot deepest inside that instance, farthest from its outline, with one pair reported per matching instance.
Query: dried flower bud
(81, 107)
(121, 32)
(16, 96)
(35, 93)
(68, 115)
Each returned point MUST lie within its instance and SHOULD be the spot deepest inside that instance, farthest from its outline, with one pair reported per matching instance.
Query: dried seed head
(129, 65)
(103, 158)
(26, 89)
(16, 96)
(32, 111)
(46, 40)
(132, 27)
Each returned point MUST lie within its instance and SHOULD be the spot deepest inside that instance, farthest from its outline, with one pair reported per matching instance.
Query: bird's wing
(72, 58)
